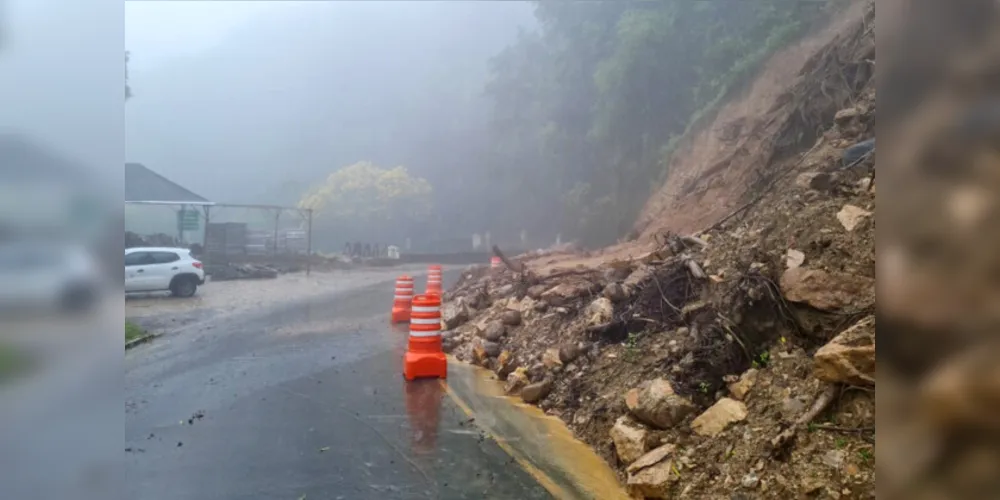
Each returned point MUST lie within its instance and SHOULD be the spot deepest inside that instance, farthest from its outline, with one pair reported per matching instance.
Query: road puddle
(543, 445)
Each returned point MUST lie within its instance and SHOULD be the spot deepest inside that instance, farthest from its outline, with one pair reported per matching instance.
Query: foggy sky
(252, 101)
(61, 86)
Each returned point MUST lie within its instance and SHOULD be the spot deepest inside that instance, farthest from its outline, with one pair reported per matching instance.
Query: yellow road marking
(547, 482)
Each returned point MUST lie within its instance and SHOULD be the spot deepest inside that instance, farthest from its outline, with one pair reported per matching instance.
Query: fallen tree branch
(822, 402)
(695, 269)
(515, 267)
(646, 320)
(694, 240)
(563, 274)
(728, 324)
(781, 442)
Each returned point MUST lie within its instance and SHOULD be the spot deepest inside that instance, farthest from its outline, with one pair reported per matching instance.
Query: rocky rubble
(226, 272)
(735, 363)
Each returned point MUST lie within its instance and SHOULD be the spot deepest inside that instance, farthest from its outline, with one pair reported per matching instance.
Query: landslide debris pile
(230, 271)
(734, 363)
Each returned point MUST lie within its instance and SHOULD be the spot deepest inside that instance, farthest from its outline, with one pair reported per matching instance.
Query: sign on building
(188, 220)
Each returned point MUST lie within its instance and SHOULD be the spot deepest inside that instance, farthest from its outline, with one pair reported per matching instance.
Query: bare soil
(701, 312)
(712, 171)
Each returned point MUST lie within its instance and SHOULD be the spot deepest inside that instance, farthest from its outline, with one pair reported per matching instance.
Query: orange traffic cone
(424, 357)
(402, 300)
(495, 262)
(433, 280)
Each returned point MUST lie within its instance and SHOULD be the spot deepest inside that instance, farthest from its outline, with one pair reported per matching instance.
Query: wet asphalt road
(304, 401)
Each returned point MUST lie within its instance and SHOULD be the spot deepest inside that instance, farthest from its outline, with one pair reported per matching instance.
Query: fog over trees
(546, 117)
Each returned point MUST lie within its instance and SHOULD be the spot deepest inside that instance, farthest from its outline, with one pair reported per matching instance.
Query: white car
(48, 275)
(153, 269)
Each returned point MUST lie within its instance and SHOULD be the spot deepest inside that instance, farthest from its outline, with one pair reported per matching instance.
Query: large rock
(637, 278)
(851, 216)
(722, 414)
(525, 306)
(449, 341)
(600, 312)
(850, 357)
(629, 439)
(537, 371)
(551, 358)
(516, 380)
(454, 314)
(655, 403)
(819, 181)
(614, 292)
(741, 387)
(478, 354)
(536, 292)
(827, 291)
(492, 349)
(511, 317)
(565, 293)
(654, 474)
(568, 353)
(533, 393)
(494, 331)
(506, 364)
(478, 299)
(794, 258)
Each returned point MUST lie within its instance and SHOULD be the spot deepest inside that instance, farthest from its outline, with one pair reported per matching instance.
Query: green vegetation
(361, 199)
(588, 110)
(632, 347)
(366, 193)
(762, 360)
(133, 331)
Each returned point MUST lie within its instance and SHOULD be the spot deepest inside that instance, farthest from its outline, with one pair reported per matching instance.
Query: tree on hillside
(364, 193)
(588, 109)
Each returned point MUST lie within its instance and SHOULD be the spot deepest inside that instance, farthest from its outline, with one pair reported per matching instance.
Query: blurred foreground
(939, 296)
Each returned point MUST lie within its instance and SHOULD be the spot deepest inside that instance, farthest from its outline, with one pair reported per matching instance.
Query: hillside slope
(737, 362)
(784, 108)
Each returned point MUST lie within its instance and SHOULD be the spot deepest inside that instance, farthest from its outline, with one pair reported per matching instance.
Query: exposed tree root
(782, 442)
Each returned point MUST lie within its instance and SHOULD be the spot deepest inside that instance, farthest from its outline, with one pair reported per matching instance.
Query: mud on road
(161, 313)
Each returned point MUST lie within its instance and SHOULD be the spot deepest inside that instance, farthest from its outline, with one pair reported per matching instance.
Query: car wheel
(185, 286)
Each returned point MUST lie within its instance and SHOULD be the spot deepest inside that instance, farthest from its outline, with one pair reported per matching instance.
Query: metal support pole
(204, 232)
(180, 224)
(309, 242)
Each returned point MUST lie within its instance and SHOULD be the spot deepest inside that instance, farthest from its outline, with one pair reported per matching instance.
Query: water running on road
(542, 444)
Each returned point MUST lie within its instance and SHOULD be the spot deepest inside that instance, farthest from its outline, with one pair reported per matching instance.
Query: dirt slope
(711, 172)
(736, 363)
